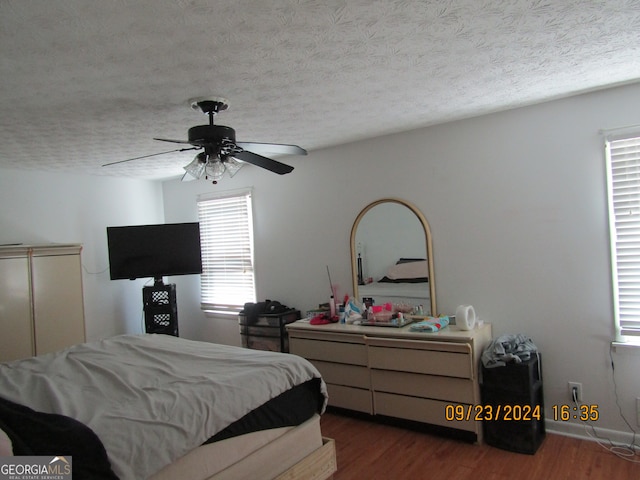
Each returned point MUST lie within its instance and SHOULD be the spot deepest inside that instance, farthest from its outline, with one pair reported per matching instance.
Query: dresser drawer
(351, 353)
(458, 390)
(433, 362)
(348, 397)
(272, 344)
(343, 374)
(419, 410)
(260, 331)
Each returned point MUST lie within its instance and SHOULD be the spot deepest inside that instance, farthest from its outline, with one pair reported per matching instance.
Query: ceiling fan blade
(173, 141)
(199, 142)
(264, 162)
(272, 148)
(152, 155)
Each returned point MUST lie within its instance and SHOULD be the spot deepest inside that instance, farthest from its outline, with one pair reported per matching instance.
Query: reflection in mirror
(392, 256)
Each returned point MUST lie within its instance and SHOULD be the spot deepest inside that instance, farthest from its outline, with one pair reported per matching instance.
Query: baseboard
(589, 431)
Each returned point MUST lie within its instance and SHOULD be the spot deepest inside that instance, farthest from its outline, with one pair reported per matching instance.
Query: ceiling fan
(221, 152)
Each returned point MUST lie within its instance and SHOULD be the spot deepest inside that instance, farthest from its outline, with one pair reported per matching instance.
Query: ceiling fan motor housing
(211, 135)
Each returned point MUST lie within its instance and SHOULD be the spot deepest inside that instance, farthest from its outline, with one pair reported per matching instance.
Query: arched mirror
(392, 255)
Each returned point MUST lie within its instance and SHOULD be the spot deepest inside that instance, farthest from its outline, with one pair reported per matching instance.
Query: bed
(405, 282)
(160, 407)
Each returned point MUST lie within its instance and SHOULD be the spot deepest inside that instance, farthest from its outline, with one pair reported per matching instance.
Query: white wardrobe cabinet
(41, 301)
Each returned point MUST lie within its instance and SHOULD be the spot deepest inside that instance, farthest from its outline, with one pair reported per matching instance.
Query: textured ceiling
(89, 82)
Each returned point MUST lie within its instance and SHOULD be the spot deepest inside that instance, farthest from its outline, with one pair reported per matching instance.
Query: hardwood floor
(369, 450)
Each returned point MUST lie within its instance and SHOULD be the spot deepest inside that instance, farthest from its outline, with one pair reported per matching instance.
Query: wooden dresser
(396, 372)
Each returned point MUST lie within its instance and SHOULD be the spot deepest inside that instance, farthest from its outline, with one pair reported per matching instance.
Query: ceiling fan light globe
(233, 165)
(215, 169)
(186, 177)
(197, 166)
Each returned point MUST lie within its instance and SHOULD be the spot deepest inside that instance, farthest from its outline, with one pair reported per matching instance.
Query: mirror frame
(427, 233)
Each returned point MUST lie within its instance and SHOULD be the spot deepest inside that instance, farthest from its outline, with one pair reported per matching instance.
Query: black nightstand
(517, 390)
(266, 331)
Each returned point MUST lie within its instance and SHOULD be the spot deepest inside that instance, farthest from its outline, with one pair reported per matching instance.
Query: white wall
(37, 207)
(517, 207)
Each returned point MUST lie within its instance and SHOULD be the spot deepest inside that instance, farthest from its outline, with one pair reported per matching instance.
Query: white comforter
(152, 398)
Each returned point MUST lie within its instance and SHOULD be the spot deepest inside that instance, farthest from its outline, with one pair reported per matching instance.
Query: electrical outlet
(578, 387)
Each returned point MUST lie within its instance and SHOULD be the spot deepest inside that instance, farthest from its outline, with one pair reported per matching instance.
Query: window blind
(623, 178)
(226, 237)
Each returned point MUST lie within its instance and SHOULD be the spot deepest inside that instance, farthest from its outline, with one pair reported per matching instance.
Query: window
(226, 233)
(623, 180)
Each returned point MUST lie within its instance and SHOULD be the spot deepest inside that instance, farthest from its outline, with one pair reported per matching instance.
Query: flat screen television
(141, 251)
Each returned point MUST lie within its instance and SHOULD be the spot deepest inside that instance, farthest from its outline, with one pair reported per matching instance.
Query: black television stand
(160, 308)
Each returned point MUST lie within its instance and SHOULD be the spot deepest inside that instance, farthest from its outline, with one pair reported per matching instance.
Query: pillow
(418, 269)
(6, 447)
(407, 260)
(386, 279)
